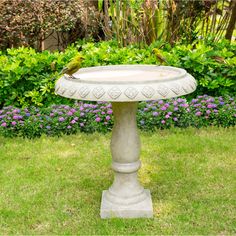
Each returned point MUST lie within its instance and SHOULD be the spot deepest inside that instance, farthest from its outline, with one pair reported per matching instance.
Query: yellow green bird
(73, 66)
(159, 56)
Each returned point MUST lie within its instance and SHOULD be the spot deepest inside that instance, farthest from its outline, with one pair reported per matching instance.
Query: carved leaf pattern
(131, 92)
(57, 88)
(163, 90)
(98, 92)
(114, 92)
(148, 91)
(84, 91)
(176, 88)
(192, 86)
(62, 90)
(185, 88)
(71, 91)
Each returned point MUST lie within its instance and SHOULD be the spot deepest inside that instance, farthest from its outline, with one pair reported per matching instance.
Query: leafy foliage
(28, 77)
(213, 65)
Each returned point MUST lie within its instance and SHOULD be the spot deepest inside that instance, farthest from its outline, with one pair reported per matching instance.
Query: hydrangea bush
(90, 117)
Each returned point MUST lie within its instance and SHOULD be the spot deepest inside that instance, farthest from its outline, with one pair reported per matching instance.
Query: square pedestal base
(140, 210)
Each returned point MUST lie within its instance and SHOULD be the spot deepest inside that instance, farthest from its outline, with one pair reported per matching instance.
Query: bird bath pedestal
(124, 86)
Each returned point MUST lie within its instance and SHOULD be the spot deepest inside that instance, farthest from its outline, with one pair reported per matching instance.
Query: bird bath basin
(124, 86)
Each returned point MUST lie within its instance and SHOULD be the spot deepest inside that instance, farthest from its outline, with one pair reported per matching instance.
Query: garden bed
(97, 117)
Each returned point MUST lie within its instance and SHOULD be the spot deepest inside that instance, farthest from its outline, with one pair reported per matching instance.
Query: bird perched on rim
(73, 66)
(159, 56)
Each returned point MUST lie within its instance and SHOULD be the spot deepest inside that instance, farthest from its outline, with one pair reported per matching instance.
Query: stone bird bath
(124, 86)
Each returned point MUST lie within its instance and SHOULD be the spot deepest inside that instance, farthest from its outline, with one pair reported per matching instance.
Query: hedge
(28, 77)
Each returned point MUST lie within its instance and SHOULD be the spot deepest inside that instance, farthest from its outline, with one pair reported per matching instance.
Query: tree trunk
(231, 25)
(107, 29)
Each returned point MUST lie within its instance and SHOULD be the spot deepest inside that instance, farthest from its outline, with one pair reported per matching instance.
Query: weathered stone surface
(122, 83)
(124, 86)
(141, 209)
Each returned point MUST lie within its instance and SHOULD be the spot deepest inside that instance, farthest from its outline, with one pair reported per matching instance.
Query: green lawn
(54, 185)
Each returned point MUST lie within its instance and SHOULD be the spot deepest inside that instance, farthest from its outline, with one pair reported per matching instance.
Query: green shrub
(28, 77)
(213, 65)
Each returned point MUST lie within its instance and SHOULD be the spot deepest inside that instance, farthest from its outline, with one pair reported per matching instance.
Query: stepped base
(139, 210)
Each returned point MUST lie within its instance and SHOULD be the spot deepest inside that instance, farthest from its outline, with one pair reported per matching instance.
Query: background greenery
(54, 185)
(30, 22)
(28, 77)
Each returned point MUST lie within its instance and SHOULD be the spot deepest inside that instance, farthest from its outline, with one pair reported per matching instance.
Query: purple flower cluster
(205, 106)
(201, 111)
(10, 116)
(89, 117)
(162, 113)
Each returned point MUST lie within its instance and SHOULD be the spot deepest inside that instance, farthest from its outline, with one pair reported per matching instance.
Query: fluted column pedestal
(126, 198)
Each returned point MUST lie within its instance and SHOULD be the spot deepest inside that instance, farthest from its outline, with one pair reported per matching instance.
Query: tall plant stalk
(145, 21)
(232, 21)
(216, 19)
